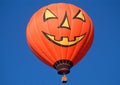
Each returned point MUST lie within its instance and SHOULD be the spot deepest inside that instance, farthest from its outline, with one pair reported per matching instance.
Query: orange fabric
(60, 31)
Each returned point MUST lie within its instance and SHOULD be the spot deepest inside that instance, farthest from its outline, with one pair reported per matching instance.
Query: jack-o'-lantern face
(65, 23)
(61, 25)
(60, 32)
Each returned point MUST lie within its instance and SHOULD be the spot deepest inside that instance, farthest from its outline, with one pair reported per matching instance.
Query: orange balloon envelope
(60, 35)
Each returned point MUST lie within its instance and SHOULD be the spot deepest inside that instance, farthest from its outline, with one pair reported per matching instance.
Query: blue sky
(19, 66)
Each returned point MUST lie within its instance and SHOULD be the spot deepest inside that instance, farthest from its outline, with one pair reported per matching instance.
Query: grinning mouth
(64, 41)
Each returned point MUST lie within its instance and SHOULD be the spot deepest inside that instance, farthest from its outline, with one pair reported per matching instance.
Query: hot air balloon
(60, 35)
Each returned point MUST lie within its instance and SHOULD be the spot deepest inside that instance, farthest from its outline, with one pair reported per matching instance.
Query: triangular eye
(49, 15)
(80, 16)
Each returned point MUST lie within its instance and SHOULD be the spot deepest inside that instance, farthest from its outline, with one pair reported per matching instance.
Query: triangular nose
(65, 22)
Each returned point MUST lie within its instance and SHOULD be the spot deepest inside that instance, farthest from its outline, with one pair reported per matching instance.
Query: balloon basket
(64, 78)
